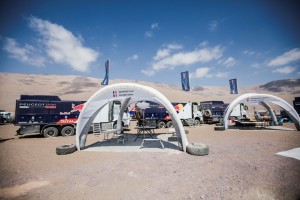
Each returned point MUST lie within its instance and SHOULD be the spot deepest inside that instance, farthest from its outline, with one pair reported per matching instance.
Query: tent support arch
(127, 93)
(263, 99)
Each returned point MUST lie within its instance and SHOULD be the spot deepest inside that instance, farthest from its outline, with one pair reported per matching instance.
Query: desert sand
(242, 164)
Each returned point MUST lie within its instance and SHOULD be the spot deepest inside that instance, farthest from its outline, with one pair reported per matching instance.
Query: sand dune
(81, 88)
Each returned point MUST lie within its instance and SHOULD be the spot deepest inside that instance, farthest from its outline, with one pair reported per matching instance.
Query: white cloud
(133, 57)
(286, 58)
(154, 26)
(229, 62)
(204, 72)
(27, 54)
(148, 72)
(249, 52)
(187, 58)
(200, 72)
(256, 65)
(204, 44)
(213, 25)
(150, 33)
(222, 75)
(164, 52)
(285, 70)
(62, 46)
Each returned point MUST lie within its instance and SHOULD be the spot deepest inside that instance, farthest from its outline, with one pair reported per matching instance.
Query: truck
(5, 117)
(157, 115)
(296, 104)
(213, 111)
(50, 116)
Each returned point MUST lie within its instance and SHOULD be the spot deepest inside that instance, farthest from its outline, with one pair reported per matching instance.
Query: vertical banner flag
(105, 80)
(185, 81)
(233, 86)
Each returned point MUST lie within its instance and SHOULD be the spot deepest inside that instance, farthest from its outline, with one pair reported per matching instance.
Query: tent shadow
(131, 142)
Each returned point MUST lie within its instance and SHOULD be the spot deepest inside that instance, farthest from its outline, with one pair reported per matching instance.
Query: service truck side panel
(30, 112)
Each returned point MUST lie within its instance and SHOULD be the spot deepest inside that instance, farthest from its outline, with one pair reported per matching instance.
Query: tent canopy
(263, 100)
(127, 93)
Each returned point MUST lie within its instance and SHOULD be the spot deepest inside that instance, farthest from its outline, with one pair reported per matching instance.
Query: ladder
(97, 129)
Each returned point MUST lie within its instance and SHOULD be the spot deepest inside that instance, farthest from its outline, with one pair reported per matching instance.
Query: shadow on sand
(132, 143)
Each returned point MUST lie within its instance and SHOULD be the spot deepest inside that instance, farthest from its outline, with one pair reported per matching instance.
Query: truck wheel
(50, 132)
(170, 124)
(161, 124)
(197, 122)
(67, 131)
(65, 149)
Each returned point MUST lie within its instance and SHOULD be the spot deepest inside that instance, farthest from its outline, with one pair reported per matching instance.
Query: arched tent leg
(271, 111)
(120, 118)
(80, 142)
(294, 120)
(176, 122)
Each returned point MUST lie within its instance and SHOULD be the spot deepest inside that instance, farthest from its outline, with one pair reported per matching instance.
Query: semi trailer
(50, 116)
(157, 115)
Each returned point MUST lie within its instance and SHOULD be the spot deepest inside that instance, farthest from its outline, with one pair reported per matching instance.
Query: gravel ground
(241, 165)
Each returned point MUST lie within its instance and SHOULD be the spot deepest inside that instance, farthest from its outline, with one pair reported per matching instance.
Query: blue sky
(254, 41)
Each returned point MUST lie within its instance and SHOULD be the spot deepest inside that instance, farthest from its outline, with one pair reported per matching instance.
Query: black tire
(197, 122)
(161, 124)
(207, 113)
(50, 132)
(66, 149)
(219, 124)
(197, 149)
(219, 128)
(67, 131)
(170, 124)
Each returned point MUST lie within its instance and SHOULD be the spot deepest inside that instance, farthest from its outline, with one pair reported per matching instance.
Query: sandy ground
(241, 165)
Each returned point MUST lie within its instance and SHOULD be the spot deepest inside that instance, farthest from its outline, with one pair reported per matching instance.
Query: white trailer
(108, 116)
(239, 110)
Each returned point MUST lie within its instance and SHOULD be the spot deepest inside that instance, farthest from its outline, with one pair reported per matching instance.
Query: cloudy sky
(254, 41)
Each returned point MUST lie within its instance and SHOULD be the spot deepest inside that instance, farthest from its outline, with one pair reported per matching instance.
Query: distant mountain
(69, 87)
(281, 85)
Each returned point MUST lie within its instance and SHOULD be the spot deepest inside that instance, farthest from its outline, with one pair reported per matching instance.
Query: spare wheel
(65, 149)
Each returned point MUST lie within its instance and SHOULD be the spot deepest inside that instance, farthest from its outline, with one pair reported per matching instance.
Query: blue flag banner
(233, 86)
(105, 80)
(185, 81)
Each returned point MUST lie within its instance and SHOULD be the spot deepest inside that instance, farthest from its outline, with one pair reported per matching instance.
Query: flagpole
(190, 86)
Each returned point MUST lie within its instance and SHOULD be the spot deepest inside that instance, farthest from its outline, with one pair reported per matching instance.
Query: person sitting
(257, 116)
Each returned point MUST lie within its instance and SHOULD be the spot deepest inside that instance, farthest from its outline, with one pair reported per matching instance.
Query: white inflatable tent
(127, 93)
(263, 99)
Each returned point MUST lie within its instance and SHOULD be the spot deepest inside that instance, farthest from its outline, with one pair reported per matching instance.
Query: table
(142, 131)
